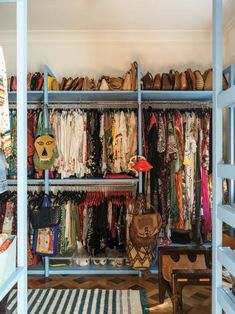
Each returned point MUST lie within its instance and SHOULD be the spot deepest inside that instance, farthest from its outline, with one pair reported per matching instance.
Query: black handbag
(180, 236)
(44, 214)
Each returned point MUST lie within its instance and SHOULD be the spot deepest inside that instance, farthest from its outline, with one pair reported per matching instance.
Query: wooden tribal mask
(45, 145)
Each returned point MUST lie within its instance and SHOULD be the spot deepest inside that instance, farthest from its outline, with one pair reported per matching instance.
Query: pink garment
(153, 120)
(205, 202)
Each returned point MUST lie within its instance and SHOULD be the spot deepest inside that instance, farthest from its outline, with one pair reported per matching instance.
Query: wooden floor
(196, 299)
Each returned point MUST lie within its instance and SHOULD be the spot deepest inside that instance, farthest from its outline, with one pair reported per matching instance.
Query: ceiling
(115, 15)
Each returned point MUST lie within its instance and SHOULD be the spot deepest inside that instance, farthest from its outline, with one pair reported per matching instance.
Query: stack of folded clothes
(5, 241)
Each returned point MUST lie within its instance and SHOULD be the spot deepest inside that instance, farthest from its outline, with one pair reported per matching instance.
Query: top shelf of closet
(151, 95)
(77, 96)
(86, 96)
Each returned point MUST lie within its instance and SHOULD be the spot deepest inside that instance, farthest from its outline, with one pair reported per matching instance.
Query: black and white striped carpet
(82, 301)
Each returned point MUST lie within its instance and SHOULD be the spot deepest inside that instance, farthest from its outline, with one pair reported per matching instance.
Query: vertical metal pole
(22, 153)
(46, 120)
(231, 145)
(140, 146)
(46, 178)
(217, 150)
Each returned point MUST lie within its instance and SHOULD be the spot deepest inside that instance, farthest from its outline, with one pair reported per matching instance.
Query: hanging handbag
(180, 236)
(139, 258)
(140, 249)
(44, 215)
(45, 241)
(144, 229)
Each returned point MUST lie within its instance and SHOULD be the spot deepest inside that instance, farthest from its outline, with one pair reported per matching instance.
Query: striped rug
(82, 301)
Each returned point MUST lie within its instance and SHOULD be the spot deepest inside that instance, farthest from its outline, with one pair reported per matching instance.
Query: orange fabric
(179, 192)
(5, 245)
(179, 129)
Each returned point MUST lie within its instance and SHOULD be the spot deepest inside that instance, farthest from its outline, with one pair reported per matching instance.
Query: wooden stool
(181, 278)
(181, 266)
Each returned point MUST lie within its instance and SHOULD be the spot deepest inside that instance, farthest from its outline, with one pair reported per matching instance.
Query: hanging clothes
(178, 146)
(8, 213)
(12, 160)
(93, 143)
(189, 163)
(3, 173)
(5, 136)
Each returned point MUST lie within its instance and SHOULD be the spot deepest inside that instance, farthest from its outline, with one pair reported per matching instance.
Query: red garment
(205, 202)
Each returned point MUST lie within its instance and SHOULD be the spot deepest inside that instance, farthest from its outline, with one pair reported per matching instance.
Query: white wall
(94, 53)
(230, 43)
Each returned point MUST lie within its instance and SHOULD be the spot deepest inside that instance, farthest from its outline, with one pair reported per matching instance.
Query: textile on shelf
(5, 138)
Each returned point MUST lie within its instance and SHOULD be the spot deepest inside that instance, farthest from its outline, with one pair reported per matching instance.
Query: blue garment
(3, 172)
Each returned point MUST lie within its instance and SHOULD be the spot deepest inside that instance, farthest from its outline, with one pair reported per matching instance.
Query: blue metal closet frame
(139, 97)
(222, 298)
(20, 275)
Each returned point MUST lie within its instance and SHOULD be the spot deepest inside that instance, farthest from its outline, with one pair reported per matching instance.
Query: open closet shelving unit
(20, 275)
(222, 298)
(106, 99)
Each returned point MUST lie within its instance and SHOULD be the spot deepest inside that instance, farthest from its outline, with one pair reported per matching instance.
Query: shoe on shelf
(176, 85)
(115, 83)
(199, 80)
(74, 84)
(99, 259)
(81, 256)
(116, 257)
(63, 82)
(183, 81)
(80, 84)
(190, 79)
(68, 84)
(208, 79)
(147, 80)
(157, 82)
(166, 82)
(103, 83)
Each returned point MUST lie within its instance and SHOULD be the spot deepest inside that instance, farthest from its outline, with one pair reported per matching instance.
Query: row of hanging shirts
(90, 143)
(97, 220)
